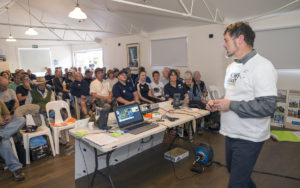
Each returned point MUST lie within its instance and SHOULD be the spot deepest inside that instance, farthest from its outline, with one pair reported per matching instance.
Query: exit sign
(35, 46)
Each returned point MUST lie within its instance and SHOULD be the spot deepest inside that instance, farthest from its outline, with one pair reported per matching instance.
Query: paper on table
(100, 139)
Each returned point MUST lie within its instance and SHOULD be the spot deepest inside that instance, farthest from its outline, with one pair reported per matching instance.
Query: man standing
(250, 99)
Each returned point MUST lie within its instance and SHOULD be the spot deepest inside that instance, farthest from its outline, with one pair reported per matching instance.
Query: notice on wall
(279, 116)
(293, 116)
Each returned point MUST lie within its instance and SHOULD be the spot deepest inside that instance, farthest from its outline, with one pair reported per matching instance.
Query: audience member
(116, 72)
(49, 77)
(157, 87)
(8, 127)
(175, 86)
(143, 89)
(40, 95)
(111, 79)
(31, 75)
(104, 73)
(100, 90)
(142, 69)
(165, 76)
(193, 91)
(200, 84)
(58, 84)
(67, 86)
(8, 96)
(125, 92)
(88, 76)
(178, 74)
(80, 89)
(22, 90)
(16, 83)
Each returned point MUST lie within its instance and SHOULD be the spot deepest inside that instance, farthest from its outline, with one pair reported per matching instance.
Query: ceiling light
(77, 13)
(31, 32)
(11, 39)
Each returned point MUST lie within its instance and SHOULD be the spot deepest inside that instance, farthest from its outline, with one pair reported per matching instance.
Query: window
(89, 58)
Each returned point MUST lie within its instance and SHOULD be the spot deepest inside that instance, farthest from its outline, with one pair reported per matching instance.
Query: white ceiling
(110, 18)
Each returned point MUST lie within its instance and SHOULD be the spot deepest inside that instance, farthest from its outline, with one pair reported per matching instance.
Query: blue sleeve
(116, 91)
(148, 80)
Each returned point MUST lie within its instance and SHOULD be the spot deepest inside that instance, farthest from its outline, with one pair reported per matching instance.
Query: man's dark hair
(172, 71)
(155, 72)
(241, 28)
(97, 70)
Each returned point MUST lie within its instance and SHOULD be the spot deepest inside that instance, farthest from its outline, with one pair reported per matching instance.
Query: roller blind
(34, 59)
(169, 52)
(280, 46)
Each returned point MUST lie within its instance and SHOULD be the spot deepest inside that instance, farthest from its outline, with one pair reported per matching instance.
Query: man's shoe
(18, 175)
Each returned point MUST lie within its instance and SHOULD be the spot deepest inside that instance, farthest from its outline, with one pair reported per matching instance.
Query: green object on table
(285, 136)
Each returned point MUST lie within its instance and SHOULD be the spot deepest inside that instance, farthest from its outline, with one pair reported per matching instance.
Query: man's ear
(241, 38)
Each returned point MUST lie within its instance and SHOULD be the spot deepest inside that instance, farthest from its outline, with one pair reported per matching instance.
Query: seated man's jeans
(6, 151)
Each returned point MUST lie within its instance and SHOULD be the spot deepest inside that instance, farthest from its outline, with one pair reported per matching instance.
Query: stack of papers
(100, 139)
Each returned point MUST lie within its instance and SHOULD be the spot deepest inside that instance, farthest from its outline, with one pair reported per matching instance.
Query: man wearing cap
(125, 92)
(8, 96)
(100, 90)
(40, 95)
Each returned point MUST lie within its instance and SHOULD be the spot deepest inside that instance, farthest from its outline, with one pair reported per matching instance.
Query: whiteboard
(169, 52)
(280, 46)
(34, 59)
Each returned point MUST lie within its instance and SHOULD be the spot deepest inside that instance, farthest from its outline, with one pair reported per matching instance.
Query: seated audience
(125, 92)
(5, 75)
(22, 90)
(111, 79)
(195, 98)
(31, 75)
(175, 86)
(157, 87)
(80, 89)
(88, 76)
(57, 84)
(104, 73)
(16, 83)
(165, 75)
(49, 78)
(8, 96)
(67, 86)
(143, 90)
(100, 90)
(8, 127)
(200, 83)
(148, 80)
(116, 72)
(178, 74)
(40, 95)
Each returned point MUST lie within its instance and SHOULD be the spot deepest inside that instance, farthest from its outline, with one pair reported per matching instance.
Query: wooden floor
(150, 170)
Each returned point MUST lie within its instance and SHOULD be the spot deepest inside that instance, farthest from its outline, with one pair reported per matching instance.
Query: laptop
(130, 119)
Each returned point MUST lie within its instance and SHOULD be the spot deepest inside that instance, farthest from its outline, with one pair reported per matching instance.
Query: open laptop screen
(128, 114)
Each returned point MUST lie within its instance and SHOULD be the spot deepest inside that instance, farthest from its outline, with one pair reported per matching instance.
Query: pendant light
(77, 13)
(10, 37)
(30, 30)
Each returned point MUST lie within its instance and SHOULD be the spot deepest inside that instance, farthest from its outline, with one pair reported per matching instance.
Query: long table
(91, 157)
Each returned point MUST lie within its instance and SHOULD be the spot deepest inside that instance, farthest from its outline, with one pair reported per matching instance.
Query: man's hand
(7, 118)
(222, 104)
(210, 106)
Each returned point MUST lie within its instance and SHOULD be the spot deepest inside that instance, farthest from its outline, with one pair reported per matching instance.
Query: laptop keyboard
(137, 126)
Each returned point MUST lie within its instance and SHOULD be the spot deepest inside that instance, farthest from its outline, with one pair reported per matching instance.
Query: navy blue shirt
(80, 88)
(170, 90)
(124, 91)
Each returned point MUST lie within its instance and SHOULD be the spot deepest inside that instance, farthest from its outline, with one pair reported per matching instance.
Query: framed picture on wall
(133, 55)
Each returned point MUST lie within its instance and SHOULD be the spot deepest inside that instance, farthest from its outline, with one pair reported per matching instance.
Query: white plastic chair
(59, 124)
(13, 146)
(42, 130)
(214, 92)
